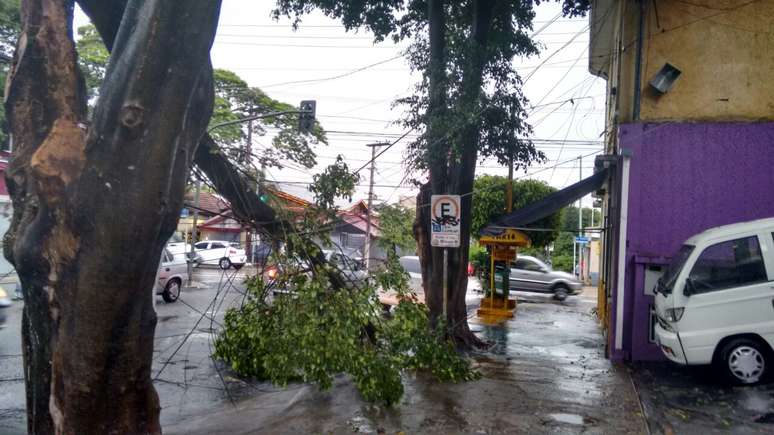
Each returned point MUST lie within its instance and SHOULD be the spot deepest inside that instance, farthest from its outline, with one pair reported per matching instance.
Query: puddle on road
(568, 418)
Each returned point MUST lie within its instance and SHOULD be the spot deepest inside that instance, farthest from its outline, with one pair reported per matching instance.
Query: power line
(341, 26)
(348, 73)
(261, 44)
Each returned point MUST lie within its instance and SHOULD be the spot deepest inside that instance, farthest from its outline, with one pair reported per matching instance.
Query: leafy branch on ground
(317, 332)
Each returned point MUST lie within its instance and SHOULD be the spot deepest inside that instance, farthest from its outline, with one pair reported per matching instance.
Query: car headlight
(3, 294)
(674, 314)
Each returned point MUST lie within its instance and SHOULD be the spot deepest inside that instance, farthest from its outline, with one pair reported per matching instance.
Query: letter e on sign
(445, 214)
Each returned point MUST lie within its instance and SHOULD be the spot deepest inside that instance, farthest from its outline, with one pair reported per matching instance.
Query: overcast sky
(356, 109)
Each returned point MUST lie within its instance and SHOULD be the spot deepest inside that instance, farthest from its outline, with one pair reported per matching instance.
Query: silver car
(173, 271)
(350, 268)
(530, 274)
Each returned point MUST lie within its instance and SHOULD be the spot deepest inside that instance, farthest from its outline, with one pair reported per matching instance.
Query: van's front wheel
(744, 361)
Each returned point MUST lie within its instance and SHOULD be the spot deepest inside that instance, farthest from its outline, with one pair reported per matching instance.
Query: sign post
(445, 216)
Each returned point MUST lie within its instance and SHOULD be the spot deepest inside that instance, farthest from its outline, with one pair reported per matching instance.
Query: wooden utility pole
(367, 247)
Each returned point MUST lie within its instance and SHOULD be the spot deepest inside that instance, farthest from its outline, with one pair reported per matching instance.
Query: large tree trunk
(432, 265)
(455, 176)
(94, 205)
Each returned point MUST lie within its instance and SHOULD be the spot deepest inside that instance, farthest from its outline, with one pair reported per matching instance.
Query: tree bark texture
(455, 175)
(95, 204)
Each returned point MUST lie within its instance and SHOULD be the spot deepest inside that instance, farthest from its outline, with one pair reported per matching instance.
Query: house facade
(347, 231)
(689, 141)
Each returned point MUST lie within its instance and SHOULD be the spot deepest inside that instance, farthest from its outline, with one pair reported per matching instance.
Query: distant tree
(561, 257)
(93, 58)
(489, 204)
(395, 223)
(234, 100)
(10, 26)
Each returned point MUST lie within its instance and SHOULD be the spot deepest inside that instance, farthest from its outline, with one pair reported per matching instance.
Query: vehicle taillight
(232, 252)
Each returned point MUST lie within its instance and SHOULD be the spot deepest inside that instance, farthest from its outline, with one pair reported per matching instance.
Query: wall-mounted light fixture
(665, 78)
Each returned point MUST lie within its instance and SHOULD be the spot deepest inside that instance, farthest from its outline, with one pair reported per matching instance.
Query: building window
(734, 263)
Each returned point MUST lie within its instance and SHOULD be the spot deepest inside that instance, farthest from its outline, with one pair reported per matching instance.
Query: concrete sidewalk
(546, 373)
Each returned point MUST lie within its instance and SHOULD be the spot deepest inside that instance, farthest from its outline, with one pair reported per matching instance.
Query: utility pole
(193, 230)
(248, 158)
(367, 248)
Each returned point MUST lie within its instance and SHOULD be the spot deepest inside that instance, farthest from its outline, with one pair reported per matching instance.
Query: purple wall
(685, 178)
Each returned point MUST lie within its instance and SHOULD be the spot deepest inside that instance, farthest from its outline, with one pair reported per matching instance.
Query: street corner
(681, 399)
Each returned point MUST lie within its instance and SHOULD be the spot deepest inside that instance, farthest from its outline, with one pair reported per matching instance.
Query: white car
(172, 273)
(176, 245)
(219, 252)
(715, 302)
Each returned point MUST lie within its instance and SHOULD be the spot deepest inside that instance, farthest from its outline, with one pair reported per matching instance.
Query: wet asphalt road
(546, 373)
(182, 365)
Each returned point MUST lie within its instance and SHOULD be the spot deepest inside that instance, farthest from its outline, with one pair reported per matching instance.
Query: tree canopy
(489, 204)
(395, 222)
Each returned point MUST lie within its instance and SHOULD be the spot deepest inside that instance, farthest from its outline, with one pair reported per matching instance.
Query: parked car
(5, 303)
(411, 266)
(532, 275)
(224, 254)
(715, 302)
(172, 273)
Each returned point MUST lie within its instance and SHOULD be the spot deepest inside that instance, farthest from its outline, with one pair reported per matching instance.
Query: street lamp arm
(252, 118)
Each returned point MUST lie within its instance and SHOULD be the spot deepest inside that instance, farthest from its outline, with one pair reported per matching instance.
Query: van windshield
(667, 282)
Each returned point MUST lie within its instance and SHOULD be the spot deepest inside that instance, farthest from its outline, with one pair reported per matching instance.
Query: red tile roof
(209, 203)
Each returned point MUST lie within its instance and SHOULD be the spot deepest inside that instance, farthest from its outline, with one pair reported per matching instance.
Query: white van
(715, 302)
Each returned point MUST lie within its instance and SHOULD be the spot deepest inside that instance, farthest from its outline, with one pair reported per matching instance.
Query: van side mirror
(689, 289)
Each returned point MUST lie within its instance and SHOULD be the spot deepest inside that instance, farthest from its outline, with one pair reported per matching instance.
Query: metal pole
(248, 158)
(580, 215)
(193, 230)
(445, 281)
(491, 278)
(509, 188)
(367, 248)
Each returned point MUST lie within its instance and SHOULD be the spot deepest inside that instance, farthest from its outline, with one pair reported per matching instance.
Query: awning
(548, 205)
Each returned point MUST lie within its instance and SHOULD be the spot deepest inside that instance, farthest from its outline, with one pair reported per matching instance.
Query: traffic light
(306, 117)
